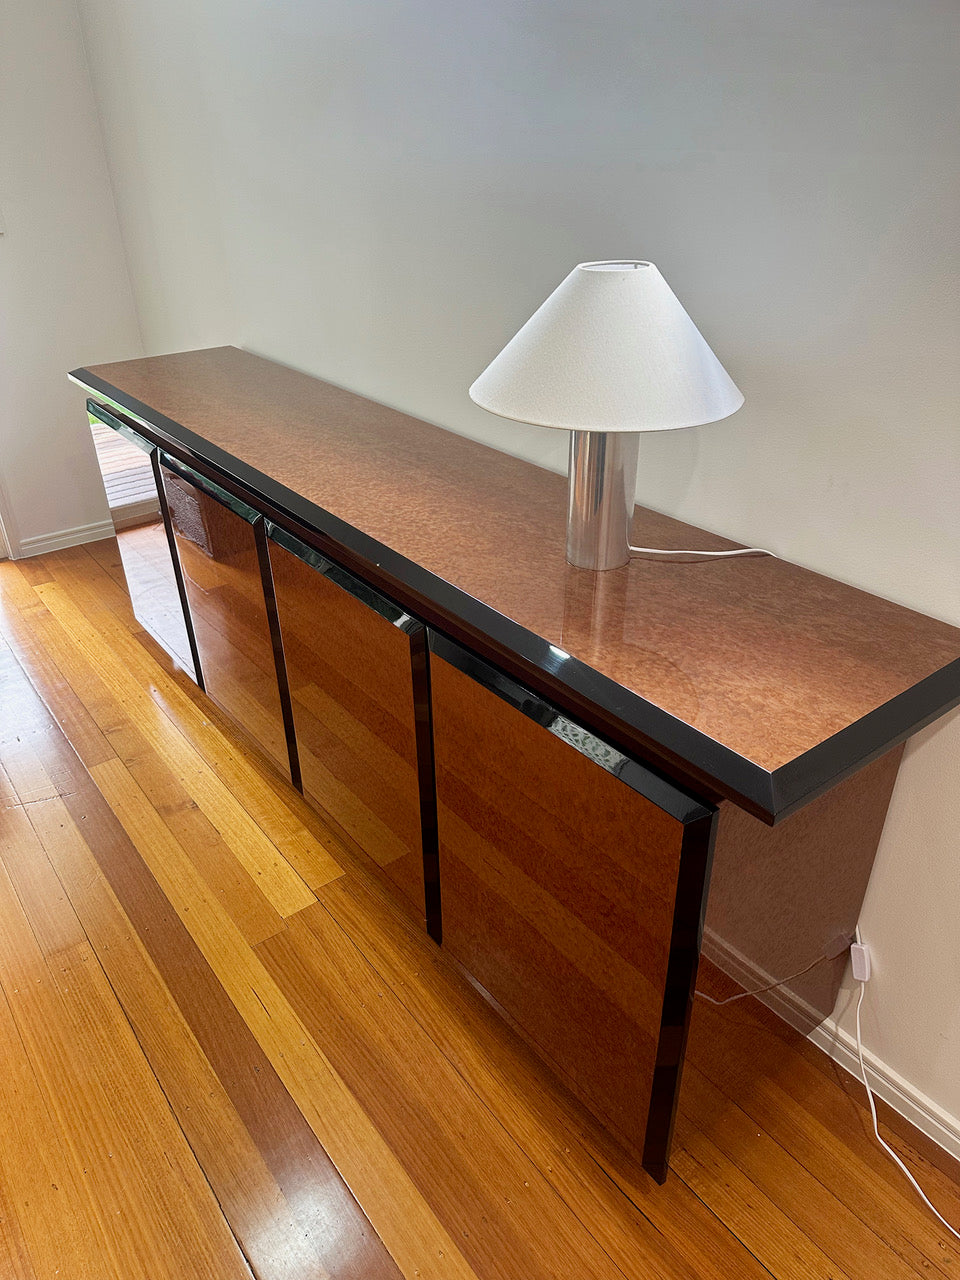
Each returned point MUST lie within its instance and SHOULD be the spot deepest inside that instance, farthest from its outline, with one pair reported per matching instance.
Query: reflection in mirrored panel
(148, 560)
(559, 885)
(217, 545)
(348, 660)
(149, 571)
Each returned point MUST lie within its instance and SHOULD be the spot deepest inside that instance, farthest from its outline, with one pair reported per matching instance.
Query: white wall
(380, 193)
(65, 297)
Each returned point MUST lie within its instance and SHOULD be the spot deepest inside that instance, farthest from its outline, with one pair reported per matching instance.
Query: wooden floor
(223, 1053)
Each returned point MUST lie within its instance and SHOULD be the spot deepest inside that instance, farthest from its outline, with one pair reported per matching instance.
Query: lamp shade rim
(736, 405)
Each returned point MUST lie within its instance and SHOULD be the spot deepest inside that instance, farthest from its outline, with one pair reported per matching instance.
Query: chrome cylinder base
(602, 479)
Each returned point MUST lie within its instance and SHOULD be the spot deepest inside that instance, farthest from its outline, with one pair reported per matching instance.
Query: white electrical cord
(664, 553)
(758, 991)
(873, 1112)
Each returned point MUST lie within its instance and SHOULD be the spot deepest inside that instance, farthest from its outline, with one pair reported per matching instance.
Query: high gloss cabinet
(219, 543)
(351, 657)
(151, 566)
(324, 674)
(563, 869)
(566, 878)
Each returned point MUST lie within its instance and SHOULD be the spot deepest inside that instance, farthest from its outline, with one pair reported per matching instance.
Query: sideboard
(549, 768)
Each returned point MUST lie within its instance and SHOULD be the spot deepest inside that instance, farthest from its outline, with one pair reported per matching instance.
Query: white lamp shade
(611, 349)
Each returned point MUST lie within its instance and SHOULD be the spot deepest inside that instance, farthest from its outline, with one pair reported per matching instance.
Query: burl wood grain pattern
(779, 896)
(221, 571)
(761, 655)
(351, 689)
(558, 886)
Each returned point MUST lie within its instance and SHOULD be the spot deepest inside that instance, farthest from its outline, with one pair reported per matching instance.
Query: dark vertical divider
(686, 935)
(276, 639)
(177, 569)
(420, 667)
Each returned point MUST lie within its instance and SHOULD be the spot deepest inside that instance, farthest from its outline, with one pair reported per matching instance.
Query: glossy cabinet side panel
(221, 571)
(150, 571)
(558, 884)
(351, 688)
(781, 896)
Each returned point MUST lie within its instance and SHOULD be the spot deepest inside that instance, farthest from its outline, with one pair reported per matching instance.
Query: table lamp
(609, 354)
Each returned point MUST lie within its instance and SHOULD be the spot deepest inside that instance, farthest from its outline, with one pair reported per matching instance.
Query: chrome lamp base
(602, 480)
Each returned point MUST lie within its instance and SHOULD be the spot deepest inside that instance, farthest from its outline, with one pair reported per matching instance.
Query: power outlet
(860, 961)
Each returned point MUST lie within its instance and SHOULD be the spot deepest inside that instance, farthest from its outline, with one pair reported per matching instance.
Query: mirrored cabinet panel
(349, 655)
(150, 564)
(217, 539)
(564, 867)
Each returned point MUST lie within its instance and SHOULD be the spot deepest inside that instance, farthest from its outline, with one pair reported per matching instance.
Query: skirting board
(838, 1044)
(42, 542)
(135, 513)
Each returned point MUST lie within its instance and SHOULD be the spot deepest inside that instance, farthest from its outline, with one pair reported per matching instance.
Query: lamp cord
(758, 991)
(876, 1128)
(664, 553)
(742, 995)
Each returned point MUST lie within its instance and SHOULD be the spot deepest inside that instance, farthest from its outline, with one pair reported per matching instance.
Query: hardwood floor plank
(303, 1223)
(21, 638)
(202, 724)
(214, 859)
(105, 553)
(811, 1206)
(377, 1178)
(277, 880)
(280, 1192)
(149, 1209)
(826, 1131)
(233, 883)
(639, 1224)
(50, 1208)
(36, 569)
(14, 1256)
(477, 1179)
(769, 1234)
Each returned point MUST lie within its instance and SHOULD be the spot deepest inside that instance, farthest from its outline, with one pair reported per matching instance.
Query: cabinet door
(218, 539)
(151, 568)
(572, 887)
(350, 659)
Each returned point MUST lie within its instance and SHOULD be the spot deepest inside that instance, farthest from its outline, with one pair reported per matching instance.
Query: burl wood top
(761, 656)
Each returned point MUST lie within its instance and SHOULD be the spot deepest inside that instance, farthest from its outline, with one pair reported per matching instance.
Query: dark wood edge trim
(626, 719)
(177, 568)
(279, 661)
(355, 587)
(97, 413)
(215, 491)
(426, 780)
(662, 792)
(696, 857)
(800, 781)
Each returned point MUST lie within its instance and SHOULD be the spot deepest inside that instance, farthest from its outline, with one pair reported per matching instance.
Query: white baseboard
(135, 513)
(42, 542)
(922, 1112)
(838, 1044)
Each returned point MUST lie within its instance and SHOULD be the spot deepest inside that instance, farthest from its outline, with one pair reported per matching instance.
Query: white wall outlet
(860, 961)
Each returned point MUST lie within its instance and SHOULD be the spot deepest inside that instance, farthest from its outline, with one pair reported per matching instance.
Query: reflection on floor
(226, 1054)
